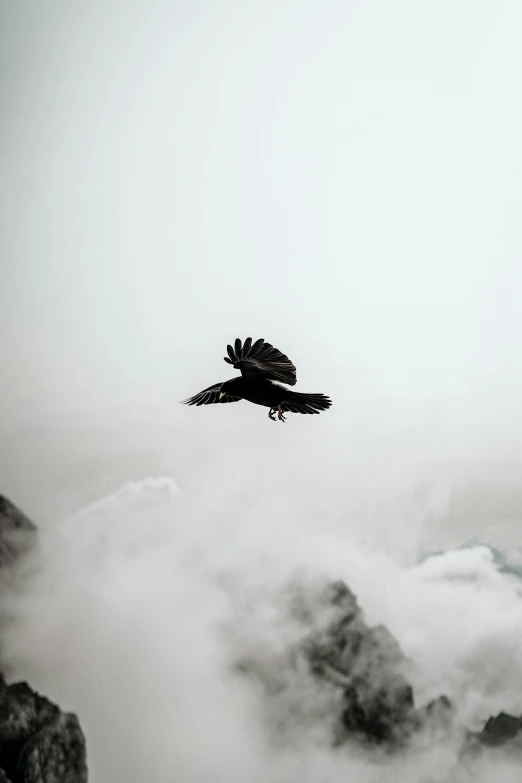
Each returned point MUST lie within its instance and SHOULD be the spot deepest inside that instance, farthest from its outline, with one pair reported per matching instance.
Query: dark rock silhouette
(377, 705)
(358, 673)
(17, 532)
(56, 753)
(371, 699)
(38, 742)
(501, 729)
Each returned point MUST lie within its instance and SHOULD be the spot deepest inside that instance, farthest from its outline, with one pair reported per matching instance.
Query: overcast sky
(341, 178)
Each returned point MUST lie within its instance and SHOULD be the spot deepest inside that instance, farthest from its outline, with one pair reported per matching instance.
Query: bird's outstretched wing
(209, 396)
(261, 360)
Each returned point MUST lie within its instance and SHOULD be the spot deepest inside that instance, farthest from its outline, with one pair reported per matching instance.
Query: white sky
(341, 178)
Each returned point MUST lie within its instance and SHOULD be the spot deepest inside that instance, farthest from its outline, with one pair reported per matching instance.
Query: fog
(342, 179)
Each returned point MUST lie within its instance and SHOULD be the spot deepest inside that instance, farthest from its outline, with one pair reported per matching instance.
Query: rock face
(504, 730)
(501, 729)
(365, 673)
(38, 742)
(377, 704)
(17, 532)
(341, 673)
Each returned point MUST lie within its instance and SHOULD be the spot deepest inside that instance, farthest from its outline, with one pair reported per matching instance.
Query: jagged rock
(359, 673)
(23, 713)
(356, 673)
(500, 730)
(378, 716)
(368, 664)
(56, 754)
(504, 729)
(352, 679)
(38, 742)
(18, 535)
(17, 532)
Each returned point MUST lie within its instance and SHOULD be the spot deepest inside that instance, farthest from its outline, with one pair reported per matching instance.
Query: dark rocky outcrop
(371, 697)
(38, 742)
(17, 532)
(358, 674)
(502, 731)
(377, 705)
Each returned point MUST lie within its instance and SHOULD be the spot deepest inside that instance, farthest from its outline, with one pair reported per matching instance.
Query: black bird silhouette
(263, 371)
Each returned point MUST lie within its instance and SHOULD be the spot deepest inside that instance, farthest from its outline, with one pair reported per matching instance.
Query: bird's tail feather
(297, 402)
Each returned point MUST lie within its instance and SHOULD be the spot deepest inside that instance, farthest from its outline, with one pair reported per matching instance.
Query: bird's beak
(221, 394)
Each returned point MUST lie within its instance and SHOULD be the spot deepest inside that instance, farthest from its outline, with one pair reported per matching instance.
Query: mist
(342, 179)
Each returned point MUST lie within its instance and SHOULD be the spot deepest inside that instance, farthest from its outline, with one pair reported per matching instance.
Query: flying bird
(264, 370)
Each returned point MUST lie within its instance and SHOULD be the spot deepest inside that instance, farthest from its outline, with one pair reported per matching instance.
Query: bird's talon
(280, 414)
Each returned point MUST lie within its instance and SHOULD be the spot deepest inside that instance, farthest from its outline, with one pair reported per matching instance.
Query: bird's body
(264, 392)
(261, 392)
(262, 370)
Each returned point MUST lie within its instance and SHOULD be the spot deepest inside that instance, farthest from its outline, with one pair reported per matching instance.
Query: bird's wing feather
(261, 360)
(209, 396)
